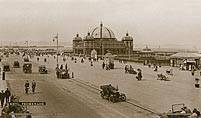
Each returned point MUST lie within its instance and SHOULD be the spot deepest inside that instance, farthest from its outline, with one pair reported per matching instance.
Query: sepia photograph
(100, 58)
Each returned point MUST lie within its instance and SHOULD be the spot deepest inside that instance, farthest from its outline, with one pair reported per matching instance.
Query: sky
(164, 23)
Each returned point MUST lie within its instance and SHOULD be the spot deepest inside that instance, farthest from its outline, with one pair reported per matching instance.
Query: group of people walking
(5, 96)
(27, 86)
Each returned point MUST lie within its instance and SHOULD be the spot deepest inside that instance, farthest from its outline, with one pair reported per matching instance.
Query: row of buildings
(102, 40)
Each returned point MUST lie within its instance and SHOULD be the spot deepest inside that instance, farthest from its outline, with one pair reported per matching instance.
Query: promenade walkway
(155, 94)
(3, 86)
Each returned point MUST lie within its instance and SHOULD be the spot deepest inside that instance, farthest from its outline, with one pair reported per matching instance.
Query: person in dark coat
(193, 72)
(103, 65)
(45, 60)
(33, 85)
(139, 75)
(7, 95)
(126, 69)
(2, 97)
(28, 114)
(61, 67)
(26, 86)
(82, 60)
(156, 68)
(66, 66)
(91, 63)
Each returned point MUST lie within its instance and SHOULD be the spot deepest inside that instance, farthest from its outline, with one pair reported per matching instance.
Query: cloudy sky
(168, 23)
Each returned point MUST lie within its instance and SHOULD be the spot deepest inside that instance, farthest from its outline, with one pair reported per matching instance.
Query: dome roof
(146, 49)
(102, 32)
(127, 37)
(77, 38)
(88, 37)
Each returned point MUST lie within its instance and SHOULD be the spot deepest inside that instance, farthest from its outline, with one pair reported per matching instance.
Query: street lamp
(57, 37)
(27, 45)
(27, 42)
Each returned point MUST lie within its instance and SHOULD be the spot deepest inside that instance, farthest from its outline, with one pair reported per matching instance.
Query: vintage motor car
(26, 59)
(13, 107)
(130, 70)
(42, 69)
(16, 64)
(62, 74)
(175, 112)
(111, 93)
(6, 67)
(27, 68)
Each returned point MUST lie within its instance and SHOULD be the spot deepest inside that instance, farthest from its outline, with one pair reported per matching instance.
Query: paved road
(155, 94)
(57, 101)
(66, 97)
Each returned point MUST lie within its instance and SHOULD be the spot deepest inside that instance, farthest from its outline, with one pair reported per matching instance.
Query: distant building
(186, 61)
(102, 40)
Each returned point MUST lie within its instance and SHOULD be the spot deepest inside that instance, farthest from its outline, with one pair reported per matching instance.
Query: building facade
(102, 40)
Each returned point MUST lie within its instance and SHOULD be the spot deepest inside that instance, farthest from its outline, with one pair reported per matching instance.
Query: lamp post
(129, 51)
(27, 42)
(27, 45)
(57, 37)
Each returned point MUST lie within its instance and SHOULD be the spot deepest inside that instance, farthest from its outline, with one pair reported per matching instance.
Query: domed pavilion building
(102, 40)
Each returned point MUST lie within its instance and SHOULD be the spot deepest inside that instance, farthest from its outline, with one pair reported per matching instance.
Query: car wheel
(123, 97)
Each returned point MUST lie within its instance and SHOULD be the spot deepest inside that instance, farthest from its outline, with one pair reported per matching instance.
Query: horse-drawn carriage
(42, 69)
(62, 74)
(111, 93)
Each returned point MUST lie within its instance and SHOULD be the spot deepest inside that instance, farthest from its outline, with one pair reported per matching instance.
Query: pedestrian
(27, 87)
(131, 68)
(64, 59)
(7, 95)
(66, 66)
(33, 85)
(82, 60)
(156, 68)
(103, 65)
(139, 75)
(2, 97)
(193, 72)
(72, 75)
(61, 67)
(3, 75)
(28, 114)
(126, 69)
(91, 63)
(45, 60)
(75, 60)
